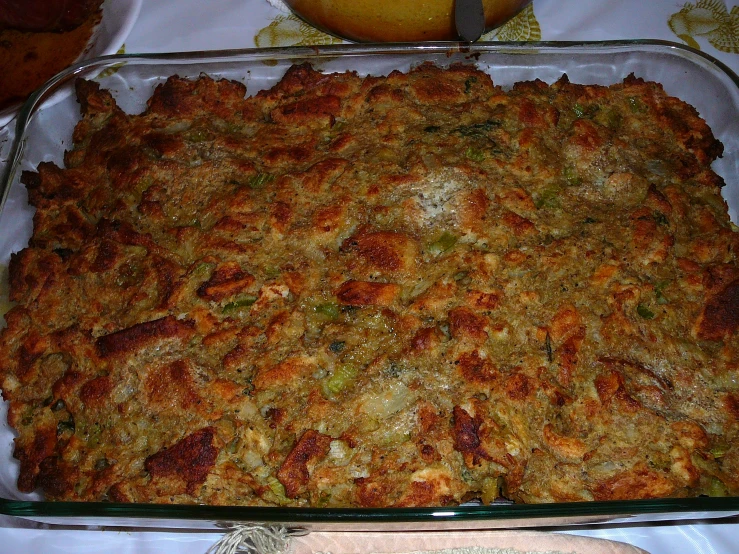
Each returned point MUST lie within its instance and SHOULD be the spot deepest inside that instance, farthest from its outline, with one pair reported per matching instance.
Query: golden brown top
(385, 291)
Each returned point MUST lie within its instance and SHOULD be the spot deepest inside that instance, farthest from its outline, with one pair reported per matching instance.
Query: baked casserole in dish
(347, 288)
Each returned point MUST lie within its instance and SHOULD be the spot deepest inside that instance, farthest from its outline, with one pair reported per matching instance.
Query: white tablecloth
(187, 25)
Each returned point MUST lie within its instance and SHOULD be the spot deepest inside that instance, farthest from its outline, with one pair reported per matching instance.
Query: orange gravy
(28, 59)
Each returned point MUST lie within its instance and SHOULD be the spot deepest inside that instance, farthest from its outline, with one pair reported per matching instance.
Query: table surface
(189, 25)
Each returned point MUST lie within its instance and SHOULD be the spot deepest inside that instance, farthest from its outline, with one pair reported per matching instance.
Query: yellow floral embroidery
(288, 30)
(524, 26)
(113, 68)
(709, 19)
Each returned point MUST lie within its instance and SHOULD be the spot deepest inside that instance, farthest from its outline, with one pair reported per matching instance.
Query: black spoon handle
(469, 18)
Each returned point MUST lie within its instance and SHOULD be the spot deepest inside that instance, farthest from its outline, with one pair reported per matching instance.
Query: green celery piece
(242, 302)
(445, 242)
(328, 309)
(342, 378)
(644, 312)
(260, 180)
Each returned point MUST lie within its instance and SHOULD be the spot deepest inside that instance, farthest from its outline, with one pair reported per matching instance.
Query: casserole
(132, 78)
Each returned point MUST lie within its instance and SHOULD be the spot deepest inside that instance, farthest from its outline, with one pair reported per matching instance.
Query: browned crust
(466, 437)
(388, 251)
(227, 281)
(363, 293)
(190, 459)
(96, 392)
(32, 456)
(142, 335)
(294, 472)
(720, 316)
(639, 482)
(464, 323)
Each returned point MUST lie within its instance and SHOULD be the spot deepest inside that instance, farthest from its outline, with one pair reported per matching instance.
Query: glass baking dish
(42, 133)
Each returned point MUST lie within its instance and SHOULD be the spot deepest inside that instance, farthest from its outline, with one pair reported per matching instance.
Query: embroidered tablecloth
(709, 25)
(190, 25)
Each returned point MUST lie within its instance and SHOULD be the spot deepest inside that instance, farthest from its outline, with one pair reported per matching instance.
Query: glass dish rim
(607, 510)
(482, 513)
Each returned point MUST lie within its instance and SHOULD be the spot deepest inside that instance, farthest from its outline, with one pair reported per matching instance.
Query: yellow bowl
(396, 20)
